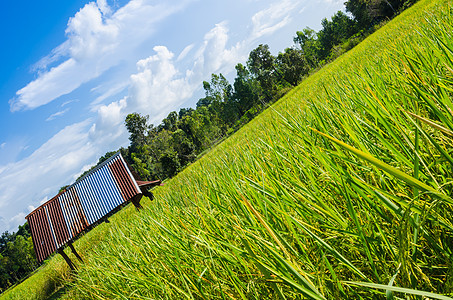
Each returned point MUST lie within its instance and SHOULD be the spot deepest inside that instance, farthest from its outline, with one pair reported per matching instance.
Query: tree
(368, 12)
(219, 89)
(334, 32)
(170, 121)
(201, 128)
(5, 277)
(307, 39)
(17, 257)
(292, 65)
(169, 163)
(22, 257)
(137, 126)
(218, 100)
(139, 164)
(183, 146)
(246, 89)
(184, 111)
(361, 11)
(261, 65)
(5, 238)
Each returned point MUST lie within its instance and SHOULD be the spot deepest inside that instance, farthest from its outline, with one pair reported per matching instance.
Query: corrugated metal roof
(84, 203)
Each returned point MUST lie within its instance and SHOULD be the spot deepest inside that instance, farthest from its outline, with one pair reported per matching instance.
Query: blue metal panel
(105, 193)
(106, 208)
(111, 192)
(88, 192)
(86, 203)
(92, 186)
(52, 231)
(62, 200)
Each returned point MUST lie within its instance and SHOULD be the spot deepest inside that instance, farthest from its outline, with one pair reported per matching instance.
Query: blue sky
(72, 70)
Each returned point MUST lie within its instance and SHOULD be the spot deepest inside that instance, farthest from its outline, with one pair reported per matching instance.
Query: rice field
(341, 190)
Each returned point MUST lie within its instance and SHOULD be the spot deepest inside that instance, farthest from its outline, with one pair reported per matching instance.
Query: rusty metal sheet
(125, 180)
(41, 234)
(57, 222)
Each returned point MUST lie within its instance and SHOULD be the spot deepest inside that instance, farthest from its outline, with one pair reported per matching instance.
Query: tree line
(162, 151)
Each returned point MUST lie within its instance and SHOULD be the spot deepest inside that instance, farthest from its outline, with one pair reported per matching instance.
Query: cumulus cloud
(97, 40)
(158, 86)
(90, 35)
(108, 127)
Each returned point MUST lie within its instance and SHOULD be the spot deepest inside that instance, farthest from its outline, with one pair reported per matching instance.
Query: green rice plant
(341, 190)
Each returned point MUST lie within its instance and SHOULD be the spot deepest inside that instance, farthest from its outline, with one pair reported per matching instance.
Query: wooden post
(136, 201)
(67, 259)
(74, 251)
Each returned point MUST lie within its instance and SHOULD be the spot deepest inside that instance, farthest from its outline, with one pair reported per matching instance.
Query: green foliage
(184, 147)
(292, 65)
(334, 32)
(246, 90)
(307, 40)
(17, 256)
(261, 64)
(137, 127)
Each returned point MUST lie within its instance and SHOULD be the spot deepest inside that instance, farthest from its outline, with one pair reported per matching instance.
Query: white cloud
(158, 85)
(96, 41)
(271, 19)
(104, 7)
(54, 56)
(57, 114)
(69, 102)
(106, 91)
(108, 126)
(89, 35)
(47, 87)
(185, 51)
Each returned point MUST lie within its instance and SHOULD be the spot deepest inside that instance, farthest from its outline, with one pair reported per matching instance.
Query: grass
(342, 190)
